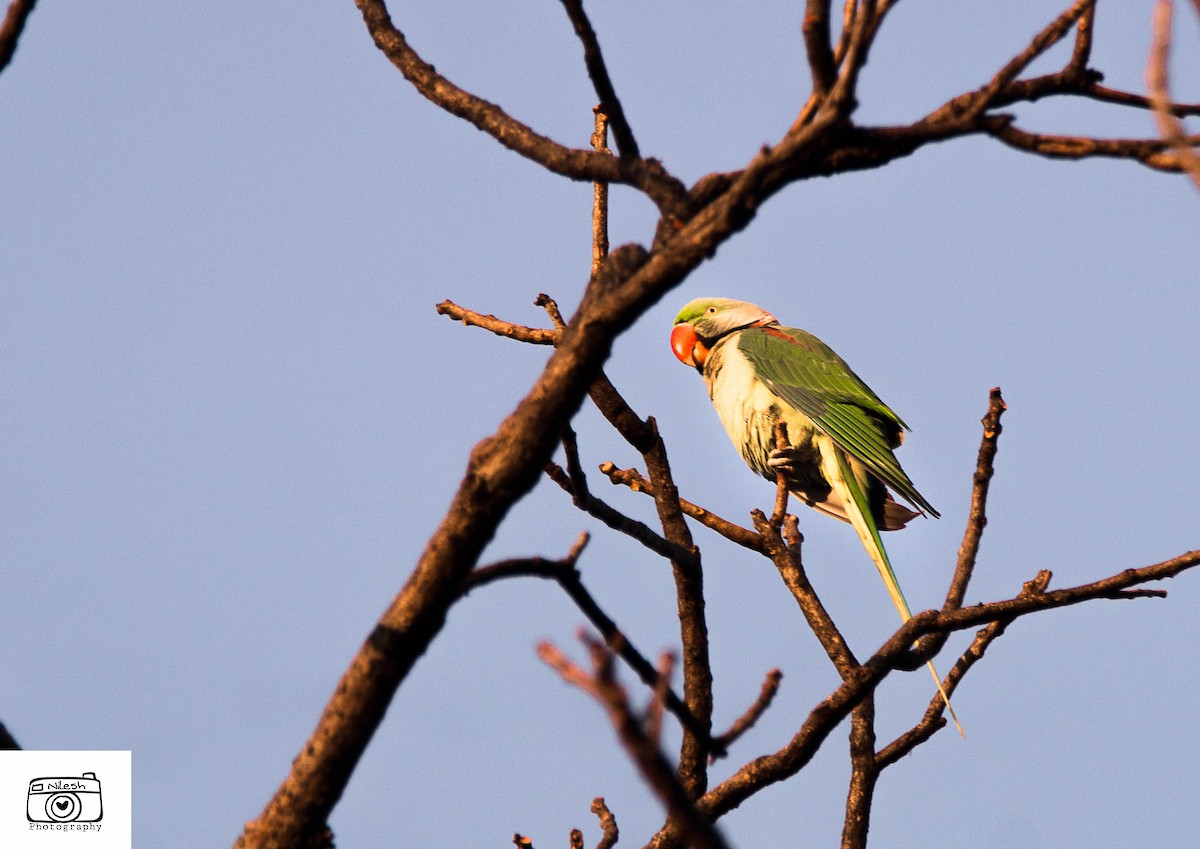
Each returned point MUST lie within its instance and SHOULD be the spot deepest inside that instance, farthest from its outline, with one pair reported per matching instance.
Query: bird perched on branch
(841, 436)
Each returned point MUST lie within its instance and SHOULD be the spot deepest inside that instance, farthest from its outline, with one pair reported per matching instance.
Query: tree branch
(608, 824)
(1043, 41)
(934, 719)
(731, 531)
(1160, 99)
(648, 758)
(610, 104)
(895, 654)
(648, 175)
(10, 30)
(977, 516)
(816, 43)
(753, 713)
(615, 519)
(864, 774)
(531, 335)
(566, 573)
(787, 560)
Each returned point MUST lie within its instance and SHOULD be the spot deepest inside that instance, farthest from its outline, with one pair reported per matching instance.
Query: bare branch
(599, 211)
(864, 774)
(566, 573)
(648, 758)
(1124, 98)
(1081, 53)
(895, 654)
(1042, 42)
(693, 627)
(934, 720)
(654, 711)
(615, 519)
(747, 720)
(608, 824)
(781, 485)
(1149, 152)
(527, 566)
(676, 545)
(1157, 84)
(977, 517)
(610, 104)
(579, 486)
(791, 569)
(731, 531)
(816, 43)
(532, 335)
(10, 30)
(646, 174)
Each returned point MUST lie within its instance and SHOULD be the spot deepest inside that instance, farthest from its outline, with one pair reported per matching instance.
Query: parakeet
(841, 435)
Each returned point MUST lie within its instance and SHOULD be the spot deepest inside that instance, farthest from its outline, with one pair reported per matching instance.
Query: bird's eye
(711, 310)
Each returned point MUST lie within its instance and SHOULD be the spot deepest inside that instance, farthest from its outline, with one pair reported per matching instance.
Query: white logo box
(51, 799)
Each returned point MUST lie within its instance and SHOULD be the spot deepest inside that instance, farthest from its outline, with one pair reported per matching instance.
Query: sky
(231, 416)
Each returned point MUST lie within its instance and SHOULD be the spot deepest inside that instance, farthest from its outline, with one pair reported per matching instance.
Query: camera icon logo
(65, 799)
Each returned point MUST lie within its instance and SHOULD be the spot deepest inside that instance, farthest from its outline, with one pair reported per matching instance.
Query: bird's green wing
(806, 373)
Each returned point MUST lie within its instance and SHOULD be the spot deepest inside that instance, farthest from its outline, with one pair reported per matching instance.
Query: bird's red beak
(687, 346)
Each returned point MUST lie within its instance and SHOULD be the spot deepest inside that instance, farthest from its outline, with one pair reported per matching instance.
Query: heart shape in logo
(62, 804)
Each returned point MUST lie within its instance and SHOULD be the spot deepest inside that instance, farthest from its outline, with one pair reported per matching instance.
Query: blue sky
(231, 416)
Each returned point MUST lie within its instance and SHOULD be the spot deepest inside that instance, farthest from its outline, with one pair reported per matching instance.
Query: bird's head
(705, 320)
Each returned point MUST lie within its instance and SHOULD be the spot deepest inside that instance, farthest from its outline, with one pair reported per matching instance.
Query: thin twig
(781, 485)
(1054, 32)
(646, 174)
(593, 58)
(753, 713)
(1081, 53)
(608, 824)
(1150, 152)
(730, 530)
(816, 43)
(934, 719)
(654, 711)
(532, 335)
(787, 560)
(599, 209)
(566, 573)
(646, 756)
(617, 520)
(1138, 101)
(1157, 85)
(977, 517)
(527, 566)
(579, 486)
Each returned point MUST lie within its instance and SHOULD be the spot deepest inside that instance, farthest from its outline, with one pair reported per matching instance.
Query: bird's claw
(783, 460)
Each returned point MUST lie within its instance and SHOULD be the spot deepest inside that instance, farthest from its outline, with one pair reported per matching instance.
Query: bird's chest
(749, 410)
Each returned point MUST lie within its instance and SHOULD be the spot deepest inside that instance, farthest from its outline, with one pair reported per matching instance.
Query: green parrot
(841, 435)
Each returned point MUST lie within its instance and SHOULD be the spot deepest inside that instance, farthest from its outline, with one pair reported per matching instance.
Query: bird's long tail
(858, 511)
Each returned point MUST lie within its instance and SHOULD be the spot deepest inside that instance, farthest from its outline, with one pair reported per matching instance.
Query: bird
(840, 435)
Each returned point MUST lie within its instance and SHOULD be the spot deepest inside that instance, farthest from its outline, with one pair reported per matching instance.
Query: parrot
(841, 435)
